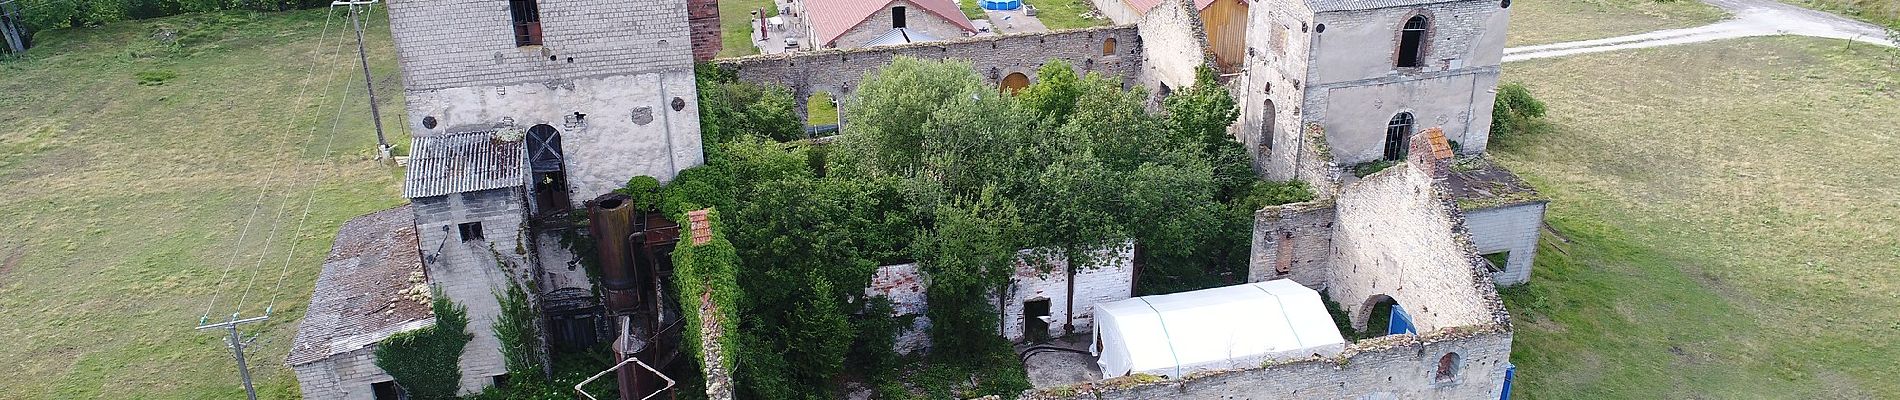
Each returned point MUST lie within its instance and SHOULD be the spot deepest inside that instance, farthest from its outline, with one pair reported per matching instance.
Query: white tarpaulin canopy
(1221, 328)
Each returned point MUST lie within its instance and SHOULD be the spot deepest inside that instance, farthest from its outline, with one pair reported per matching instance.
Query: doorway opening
(1036, 320)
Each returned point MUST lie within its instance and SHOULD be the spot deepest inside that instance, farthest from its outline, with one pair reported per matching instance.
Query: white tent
(1221, 328)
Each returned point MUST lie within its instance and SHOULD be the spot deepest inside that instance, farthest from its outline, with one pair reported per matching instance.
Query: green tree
(1516, 112)
(1202, 111)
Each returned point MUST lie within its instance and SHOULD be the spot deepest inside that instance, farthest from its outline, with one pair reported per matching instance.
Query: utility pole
(375, 114)
(236, 342)
(11, 31)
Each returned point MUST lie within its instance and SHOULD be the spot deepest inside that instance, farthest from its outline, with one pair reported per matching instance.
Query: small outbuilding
(1228, 327)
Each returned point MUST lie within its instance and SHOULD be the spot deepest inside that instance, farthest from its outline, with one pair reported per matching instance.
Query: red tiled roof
(1441, 148)
(831, 18)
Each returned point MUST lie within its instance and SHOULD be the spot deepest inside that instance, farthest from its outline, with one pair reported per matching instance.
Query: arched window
(1411, 39)
(1267, 125)
(1397, 132)
(550, 174)
(1108, 47)
(1015, 82)
(1447, 368)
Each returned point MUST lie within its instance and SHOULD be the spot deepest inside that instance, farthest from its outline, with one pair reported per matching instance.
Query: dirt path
(1750, 18)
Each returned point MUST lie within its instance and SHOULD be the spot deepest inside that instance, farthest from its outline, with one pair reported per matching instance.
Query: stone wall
(1111, 278)
(1293, 241)
(703, 19)
(471, 272)
(838, 72)
(1278, 35)
(1399, 235)
(345, 376)
(1117, 11)
(916, 19)
(1391, 367)
(1356, 114)
(1513, 228)
(904, 286)
(612, 127)
(1174, 45)
(458, 43)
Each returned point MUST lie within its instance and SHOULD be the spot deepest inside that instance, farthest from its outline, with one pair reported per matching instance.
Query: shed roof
(1220, 328)
(356, 301)
(832, 18)
(1479, 183)
(463, 162)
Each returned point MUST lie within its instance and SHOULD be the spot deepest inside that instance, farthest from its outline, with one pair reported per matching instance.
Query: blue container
(1002, 4)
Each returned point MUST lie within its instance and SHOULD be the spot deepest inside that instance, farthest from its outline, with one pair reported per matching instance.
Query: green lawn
(1728, 229)
(1536, 22)
(1066, 14)
(1880, 12)
(735, 25)
(123, 201)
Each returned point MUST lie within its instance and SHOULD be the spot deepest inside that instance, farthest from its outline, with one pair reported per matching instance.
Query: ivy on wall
(426, 362)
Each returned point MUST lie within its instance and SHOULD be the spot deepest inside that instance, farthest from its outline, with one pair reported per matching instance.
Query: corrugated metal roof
(462, 162)
(831, 18)
(356, 302)
(1344, 5)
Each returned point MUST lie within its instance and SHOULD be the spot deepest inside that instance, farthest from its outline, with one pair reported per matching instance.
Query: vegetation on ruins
(425, 361)
(1516, 113)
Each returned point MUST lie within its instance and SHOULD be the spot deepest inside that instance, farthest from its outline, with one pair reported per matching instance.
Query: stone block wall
(703, 18)
(1293, 241)
(1174, 45)
(1111, 278)
(1391, 367)
(1278, 36)
(1363, 43)
(904, 286)
(457, 43)
(471, 272)
(838, 72)
(1513, 228)
(916, 19)
(346, 376)
(1356, 114)
(1399, 235)
(612, 127)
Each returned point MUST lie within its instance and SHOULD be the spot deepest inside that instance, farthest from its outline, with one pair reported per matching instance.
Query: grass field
(123, 201)
(1880, 12)
(1731, 226)
(735, 25)
(1536, 22)
(1066, 14)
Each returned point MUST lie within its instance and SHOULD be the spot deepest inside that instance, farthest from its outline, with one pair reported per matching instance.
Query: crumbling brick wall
(1110, 278)
(703, 17)
(1293, 241)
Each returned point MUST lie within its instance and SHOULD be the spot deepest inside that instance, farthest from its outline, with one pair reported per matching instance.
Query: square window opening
(471, 231)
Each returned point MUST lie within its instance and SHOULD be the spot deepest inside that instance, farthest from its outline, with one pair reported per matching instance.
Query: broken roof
(832, 18)
(1347, 5)
(463, 162)
(357, 300)
(1479, 182)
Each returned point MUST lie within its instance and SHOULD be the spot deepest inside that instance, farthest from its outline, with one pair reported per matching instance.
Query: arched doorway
(1382, 315)
(1014, 83)
(821, 115)
(549, 165)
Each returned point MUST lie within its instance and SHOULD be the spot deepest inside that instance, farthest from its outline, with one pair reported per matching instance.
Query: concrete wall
(1354, 87)
(1296, 238)
(1391, 367)
(1511, 228)
(838, 72)
(457, 43)
(1278, 35)
(1174, 45)
(1111, 278)
(916, 18)
(1397, 234)
(630, 127)
(471, 272)
(346, 376)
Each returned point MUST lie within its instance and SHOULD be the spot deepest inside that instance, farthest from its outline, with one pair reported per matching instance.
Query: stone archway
(1014, 83)
(1372, 316)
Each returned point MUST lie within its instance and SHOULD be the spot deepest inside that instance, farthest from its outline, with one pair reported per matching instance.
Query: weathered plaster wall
(1363, 44)
(457, 43)
(1110, 278)
(838, 72)
(346, 376)
(471, 272)
(1391, 367)
(629, 128)
(1397, 234)
(916, 18)
(1174, 45)
(1356, 114)
(1296, 238)
(1278, 35)
(1511, 228)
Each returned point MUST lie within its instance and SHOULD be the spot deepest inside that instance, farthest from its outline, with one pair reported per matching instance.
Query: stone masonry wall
(456, 43)
(904, 286)
(1174, 45)
(703, 17)
(1399, 235)
(346, 376)
(1295, 238)
(469, 272)
(838, 72)
(1513, 228)
(1110, 279)
(1277, 38)
(1391, 367)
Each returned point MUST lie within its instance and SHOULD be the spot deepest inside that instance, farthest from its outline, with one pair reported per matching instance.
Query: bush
(644, 192)
(518, 330)
(426, 362)
(1516, 113)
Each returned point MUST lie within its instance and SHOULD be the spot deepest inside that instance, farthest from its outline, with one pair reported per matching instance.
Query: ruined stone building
(847, 24)
(523, 112)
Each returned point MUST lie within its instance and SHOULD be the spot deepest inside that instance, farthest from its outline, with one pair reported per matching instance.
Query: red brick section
(1431, 152)
(703, 15)
(702, 230)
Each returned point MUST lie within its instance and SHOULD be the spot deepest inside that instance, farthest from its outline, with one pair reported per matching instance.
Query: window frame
(1398, 135)
(898, 19)
(1420, 36)
(524, 17)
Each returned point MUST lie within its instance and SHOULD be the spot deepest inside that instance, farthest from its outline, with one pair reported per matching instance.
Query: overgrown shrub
(519, 331)
(1516, 113)
(643, 191)
(426, 361)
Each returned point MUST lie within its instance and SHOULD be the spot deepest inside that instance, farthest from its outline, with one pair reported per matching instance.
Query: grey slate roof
(1345, 5)
(463, 162)
(355, 303)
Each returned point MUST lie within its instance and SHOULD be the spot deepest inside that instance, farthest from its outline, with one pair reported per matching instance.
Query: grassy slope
(123, 201)
(1550, 21)
(735, 25)
(1880, 12)
(1733, 224)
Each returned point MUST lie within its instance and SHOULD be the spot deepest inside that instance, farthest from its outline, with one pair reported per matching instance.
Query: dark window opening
(550, 172)
(1410, 40)
(1267, 126)
(1498, 260)
(1397, 133)
(1447, 367)
(1036, 320)
(573, 331)
(527, 21)
(501, 381)
(471, 231)
(897, 17)
(387, 390)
